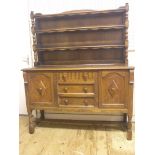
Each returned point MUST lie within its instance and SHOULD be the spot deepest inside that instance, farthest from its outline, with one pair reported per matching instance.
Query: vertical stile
(126, 33)
(34, 39)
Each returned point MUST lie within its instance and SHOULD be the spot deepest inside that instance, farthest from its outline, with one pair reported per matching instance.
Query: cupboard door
(113, 89)
(40, 88)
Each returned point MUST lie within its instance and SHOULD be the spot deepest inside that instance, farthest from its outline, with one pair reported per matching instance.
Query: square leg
(129, 128)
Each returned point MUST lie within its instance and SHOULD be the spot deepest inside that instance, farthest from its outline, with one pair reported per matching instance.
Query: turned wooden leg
(129, 128)
(31, 123)
(42, 116)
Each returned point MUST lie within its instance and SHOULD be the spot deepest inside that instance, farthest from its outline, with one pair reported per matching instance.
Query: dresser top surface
(78, 67)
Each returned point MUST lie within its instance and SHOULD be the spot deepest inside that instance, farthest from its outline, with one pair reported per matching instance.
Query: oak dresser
(80, 65)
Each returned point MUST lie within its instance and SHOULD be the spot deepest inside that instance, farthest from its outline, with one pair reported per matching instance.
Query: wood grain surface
(73, 140)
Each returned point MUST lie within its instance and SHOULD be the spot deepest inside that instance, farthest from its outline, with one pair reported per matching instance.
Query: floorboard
(69, 139)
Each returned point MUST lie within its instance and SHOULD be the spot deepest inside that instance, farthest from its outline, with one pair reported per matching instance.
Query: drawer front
(77, 102)
(76, 88)
(77, 77)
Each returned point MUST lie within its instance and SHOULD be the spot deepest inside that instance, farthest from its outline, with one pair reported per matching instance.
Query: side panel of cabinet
(40, 87)
(113, 89)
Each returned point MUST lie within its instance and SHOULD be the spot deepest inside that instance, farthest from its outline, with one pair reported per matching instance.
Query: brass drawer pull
(86, 102)
(65, 89)
(66, 101)
(85, 89)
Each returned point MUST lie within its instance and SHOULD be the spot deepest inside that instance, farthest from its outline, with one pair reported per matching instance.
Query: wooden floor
(73, 140)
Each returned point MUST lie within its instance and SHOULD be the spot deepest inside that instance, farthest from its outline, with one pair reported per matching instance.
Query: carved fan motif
(113, 88)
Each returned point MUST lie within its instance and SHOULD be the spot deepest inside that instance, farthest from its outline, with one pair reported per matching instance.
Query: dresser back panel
(85, 56)
(80, 38)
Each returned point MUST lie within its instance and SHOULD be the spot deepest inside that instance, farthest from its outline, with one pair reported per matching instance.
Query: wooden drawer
(76, 88)
(77, 101)
(76, 77)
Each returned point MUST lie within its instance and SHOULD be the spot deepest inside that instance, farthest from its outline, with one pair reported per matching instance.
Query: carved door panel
(113, 89)
(40, 88)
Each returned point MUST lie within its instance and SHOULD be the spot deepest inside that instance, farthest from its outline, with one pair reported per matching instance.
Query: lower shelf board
(75, 123)
(68, 110)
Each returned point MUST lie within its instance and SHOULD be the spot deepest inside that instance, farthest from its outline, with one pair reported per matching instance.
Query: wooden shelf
(80, 47)
(81, 29)
(79, 12)
(80, 36)
(79, 67)
(67, 62)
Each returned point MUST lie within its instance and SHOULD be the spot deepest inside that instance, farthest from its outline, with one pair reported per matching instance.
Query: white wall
(14, 44)
(24, 52)
(57, 6)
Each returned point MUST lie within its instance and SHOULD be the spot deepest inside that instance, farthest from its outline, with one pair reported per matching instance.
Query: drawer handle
(86, 102)
(65, 89)
(85, 89)
(66, 101)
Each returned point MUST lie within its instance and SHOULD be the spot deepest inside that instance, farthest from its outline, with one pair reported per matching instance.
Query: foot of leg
(31, 123)
(129, 128)
(31, 129)
(129, 135)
